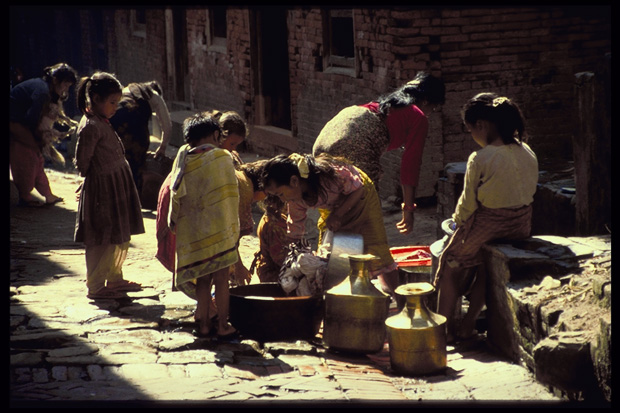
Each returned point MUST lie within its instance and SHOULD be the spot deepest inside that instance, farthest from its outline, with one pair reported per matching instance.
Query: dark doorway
(180, 53)
(270, 64)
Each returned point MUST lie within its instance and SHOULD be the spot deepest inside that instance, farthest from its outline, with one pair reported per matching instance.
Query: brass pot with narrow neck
(355, 311)
(416, 335)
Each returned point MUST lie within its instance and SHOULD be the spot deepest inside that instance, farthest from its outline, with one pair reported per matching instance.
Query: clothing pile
(303, 270)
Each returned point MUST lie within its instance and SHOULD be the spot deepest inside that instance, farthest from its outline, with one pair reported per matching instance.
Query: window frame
(216, 43)
(347, 65)
(138, 28)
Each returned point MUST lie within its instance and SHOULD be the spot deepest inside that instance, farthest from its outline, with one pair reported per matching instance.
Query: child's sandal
(105, 294)
(124, 285)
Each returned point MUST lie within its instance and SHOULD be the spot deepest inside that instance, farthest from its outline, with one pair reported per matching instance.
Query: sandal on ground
(106, 293)
(196, 332)
(32, 203)
(124, 285)
(229, 337)
(55, 201)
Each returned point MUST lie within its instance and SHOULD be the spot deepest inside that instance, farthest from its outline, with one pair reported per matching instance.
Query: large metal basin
(264, 313)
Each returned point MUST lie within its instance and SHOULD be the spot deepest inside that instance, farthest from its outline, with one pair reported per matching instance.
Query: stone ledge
(548, 306)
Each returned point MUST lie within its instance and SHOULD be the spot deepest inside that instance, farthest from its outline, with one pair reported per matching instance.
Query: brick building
(289, 70)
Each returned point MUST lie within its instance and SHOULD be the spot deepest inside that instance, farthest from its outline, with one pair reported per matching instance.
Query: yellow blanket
(204, 213)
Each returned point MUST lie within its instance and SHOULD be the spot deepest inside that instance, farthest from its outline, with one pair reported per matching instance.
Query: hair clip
(301, 163)
(499, 101)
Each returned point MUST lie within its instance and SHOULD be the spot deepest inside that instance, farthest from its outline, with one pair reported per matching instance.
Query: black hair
(499, 110)
(143, 90)
(102, 84)
(61, 72)
(321, 172)
(423, 87)
(232, 122)
(254, 170)
(199, 126)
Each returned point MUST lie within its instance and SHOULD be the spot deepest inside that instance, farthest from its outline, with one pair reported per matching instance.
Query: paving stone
(59, 373)
(204, 370)
(111, 373)
(76, 373)
(175, 341)
(95, 372)
(300, 359)
(273, 369)
(312, 384)
(127, 336)
(192, 356)
(111, 349)
(244, 372)
(79, 360)
(22, 374)
(26, 359)
(177, 371)
(40, 375)
(306, 370)
(140, 371)
(82, 349)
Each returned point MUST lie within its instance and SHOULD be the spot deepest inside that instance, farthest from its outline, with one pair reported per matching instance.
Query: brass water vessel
(416, 335)
(355, 311)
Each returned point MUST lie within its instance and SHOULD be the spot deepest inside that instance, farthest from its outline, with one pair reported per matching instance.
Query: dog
(54, 127)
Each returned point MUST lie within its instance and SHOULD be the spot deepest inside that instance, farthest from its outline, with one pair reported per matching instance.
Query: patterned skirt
(485, 225)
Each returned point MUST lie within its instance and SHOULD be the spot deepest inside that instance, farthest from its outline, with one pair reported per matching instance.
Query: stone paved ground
(66, 349)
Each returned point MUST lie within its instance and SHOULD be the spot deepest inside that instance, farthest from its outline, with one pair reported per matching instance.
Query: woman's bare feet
(53, 199)
(203, 330)
(225, 329)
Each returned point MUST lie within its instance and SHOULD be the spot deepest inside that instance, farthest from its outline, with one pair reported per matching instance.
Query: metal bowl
(448, 226)
(343, 245)
(264, 313)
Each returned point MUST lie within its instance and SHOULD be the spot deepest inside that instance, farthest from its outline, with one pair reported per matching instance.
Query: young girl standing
(109, 210)
(496, 202)
(204, 216)
(346, 199)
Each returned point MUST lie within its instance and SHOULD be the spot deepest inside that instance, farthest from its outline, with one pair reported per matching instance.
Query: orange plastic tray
(402, 256)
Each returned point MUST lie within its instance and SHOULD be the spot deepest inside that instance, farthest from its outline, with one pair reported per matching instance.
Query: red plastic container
(414, 256)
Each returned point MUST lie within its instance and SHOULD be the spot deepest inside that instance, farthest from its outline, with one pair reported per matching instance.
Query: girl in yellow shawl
(204, 215)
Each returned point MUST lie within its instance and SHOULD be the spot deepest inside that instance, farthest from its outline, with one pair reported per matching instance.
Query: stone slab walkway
(66, 349)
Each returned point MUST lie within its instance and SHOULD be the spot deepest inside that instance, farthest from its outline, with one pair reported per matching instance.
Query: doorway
(270, 67)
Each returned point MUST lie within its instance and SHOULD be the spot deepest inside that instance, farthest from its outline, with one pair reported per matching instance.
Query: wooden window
(339, 41)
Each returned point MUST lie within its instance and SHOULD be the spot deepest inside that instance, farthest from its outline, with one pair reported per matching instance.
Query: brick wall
(136, 56)
(219, 79)
(527, 53)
